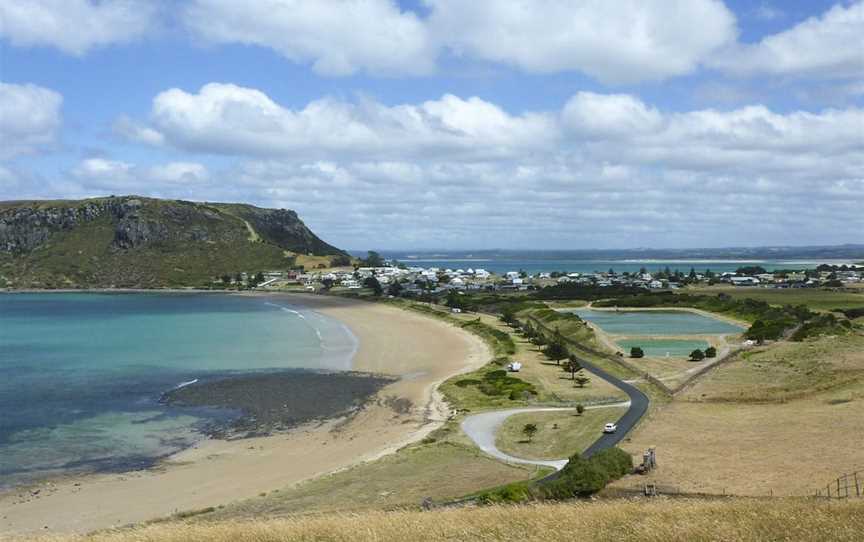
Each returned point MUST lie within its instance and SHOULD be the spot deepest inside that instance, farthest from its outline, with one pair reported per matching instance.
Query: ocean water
(502, 264)
(677, 348)
(81, 374)
(656, 322)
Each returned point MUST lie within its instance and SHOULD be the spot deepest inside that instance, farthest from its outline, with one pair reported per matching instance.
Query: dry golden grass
(622, 521)
(785, 371)
(785, 420)
(402, 479)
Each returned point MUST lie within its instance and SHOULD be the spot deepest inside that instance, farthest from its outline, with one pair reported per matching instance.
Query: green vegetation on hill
(139, 242)
(579, 478)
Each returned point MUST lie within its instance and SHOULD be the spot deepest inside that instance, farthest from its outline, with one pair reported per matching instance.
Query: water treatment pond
(656, 323)
(660, 348)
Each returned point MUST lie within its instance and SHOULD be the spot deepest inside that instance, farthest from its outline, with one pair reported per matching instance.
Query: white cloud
(129, 130)
(178, 172)
(104, 174)
(338, 37)
(30, 119)
(621, 41)
(609, 115)
(224, 118)
(75, 26)
(826, 46)
(603, 170)
(615, 42)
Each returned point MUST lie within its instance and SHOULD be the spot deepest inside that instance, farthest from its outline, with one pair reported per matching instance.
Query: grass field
(552, 383)
(815, 298)
(559, 435)
(784, 420)
(658, 520)
(402, 479)
(785, 371)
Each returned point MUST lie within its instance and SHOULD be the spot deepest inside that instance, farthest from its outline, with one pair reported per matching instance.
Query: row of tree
(554, 348)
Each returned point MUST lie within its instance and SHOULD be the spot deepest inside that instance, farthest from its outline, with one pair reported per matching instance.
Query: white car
(610, 428)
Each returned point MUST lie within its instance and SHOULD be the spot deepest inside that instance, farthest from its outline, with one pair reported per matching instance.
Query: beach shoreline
(420, 351)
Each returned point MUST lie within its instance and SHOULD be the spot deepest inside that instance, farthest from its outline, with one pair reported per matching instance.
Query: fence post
(838, 488)
(857, 486)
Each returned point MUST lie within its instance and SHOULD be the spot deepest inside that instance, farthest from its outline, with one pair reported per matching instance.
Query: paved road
(481, 428)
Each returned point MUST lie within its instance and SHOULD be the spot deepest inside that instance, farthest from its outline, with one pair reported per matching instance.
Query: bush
(511, 493)
(615, 461)
(697, 355)
(583, 477)
(636, 352)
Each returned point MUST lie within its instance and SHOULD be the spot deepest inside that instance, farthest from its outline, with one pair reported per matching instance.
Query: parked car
(610, 428)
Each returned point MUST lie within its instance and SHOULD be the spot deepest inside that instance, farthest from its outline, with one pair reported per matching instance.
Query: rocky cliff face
(141, 235)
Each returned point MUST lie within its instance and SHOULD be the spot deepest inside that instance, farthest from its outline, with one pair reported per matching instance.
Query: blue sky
(499, 123)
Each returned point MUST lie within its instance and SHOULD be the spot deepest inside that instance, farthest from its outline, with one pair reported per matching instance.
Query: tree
(582, 380)
(508, 316)
(342, 260)
(226, 279)
(373, 284)
(637, 352)
(394, 289)
(556, 351)
(454, 300)
(580, 408)
(697, 355)
(539, 340)
(572, 366)
(529, 430)
(710, 352)
(373, 259)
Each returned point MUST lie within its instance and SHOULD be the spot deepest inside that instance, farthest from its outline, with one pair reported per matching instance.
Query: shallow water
(656, 322)
(662, 347)
(81, 374)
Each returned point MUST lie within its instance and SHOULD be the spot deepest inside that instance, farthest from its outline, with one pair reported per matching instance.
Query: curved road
(481, 428)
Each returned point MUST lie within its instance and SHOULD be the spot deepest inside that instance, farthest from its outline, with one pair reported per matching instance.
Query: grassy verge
(399, 480)
(815, 299)
(559, 434)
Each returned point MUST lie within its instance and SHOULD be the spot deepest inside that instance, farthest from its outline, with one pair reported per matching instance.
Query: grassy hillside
(620, 521)
(145, 243)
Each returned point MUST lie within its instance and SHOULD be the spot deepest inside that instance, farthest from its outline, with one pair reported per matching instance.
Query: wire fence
(846, 486)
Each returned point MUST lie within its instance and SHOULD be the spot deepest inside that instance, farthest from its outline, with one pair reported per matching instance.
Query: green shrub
(516, 492)
(582, 477)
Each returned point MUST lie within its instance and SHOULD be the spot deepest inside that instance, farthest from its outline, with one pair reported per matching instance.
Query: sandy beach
(419, 350)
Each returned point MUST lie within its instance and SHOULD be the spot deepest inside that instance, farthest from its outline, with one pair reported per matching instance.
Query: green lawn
(814, 298)
(559, 435)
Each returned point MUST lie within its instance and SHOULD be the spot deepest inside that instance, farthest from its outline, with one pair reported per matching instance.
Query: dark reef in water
(275, 401)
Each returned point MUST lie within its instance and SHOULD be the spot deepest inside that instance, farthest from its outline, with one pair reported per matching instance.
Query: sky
(546, 124)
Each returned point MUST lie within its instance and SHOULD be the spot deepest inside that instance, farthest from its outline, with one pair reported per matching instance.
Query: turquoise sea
(81, 374)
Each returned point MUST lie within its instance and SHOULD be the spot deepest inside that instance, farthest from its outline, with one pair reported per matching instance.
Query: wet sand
(419, 350)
